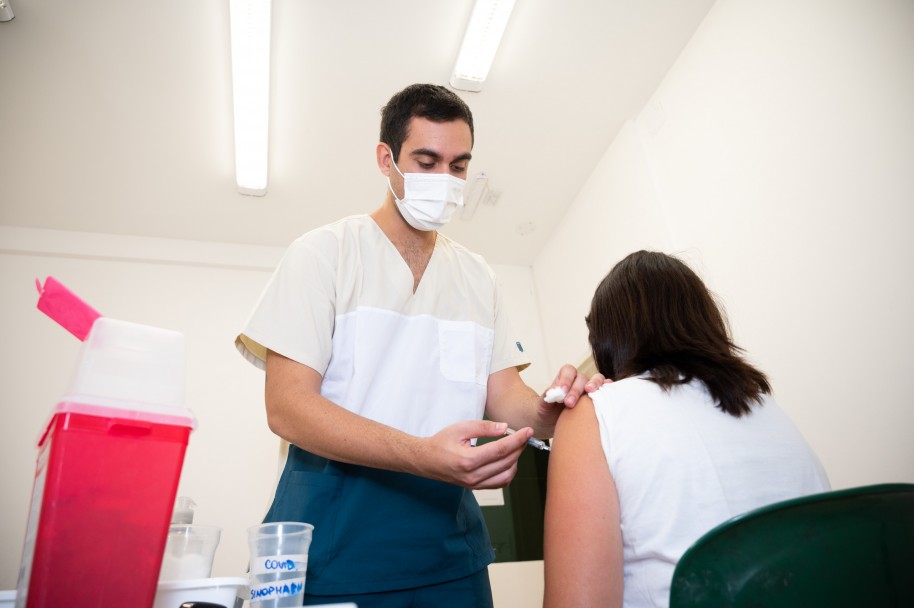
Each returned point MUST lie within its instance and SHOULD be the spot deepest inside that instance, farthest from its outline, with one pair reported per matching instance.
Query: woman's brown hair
(652, 313)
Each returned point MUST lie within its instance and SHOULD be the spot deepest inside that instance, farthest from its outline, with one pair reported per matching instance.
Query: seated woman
(685, 438)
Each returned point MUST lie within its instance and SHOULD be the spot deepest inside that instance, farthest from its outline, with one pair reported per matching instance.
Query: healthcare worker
(384, 344)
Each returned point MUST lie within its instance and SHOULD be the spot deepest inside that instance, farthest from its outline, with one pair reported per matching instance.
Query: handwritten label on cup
(279, 563)
(277, 589)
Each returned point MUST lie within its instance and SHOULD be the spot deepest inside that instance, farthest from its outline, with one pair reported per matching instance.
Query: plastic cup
(189, 552)
(279, 561)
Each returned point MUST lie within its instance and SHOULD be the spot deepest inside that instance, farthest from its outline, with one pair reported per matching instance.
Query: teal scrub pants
(473, 591)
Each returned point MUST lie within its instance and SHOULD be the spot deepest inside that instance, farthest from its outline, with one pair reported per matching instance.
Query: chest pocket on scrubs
(465, 351)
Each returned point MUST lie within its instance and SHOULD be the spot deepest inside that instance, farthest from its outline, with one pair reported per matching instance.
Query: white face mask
(429, 199)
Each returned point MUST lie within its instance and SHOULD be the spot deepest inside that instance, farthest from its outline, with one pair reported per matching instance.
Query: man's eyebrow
(425, 152)
(435, 155)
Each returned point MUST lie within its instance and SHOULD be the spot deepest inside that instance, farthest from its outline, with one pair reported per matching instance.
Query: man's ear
(384, 158)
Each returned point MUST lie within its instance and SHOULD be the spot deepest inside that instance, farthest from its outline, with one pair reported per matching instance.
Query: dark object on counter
(201, 605)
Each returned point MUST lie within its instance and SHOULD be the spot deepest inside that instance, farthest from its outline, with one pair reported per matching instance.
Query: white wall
(205, 291)
(777, 155)
(591, 238)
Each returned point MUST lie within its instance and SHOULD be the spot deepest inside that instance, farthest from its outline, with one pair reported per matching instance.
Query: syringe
(539, 444)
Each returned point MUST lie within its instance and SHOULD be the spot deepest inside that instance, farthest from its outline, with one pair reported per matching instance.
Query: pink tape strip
(65, 307)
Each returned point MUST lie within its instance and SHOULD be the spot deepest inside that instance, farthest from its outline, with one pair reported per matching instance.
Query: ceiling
(115, 117)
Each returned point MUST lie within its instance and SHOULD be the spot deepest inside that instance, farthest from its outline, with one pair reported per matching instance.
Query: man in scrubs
(384, 344)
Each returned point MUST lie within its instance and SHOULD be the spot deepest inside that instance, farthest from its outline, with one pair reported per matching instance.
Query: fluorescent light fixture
(480, 42)
(477, 192)
(6, 11)
(250, 29)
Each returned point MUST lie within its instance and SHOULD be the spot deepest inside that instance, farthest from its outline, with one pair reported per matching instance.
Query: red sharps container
(109, 463)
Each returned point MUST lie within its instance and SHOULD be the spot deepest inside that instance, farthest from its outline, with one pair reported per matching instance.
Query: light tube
(250, 32)
(480, 43)
(477, 192)
(6, 11)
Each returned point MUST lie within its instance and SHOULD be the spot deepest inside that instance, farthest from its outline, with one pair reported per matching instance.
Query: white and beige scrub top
(342, 302)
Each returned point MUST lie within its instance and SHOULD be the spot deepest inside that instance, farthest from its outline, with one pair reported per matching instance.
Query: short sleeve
(507, 350)
(295, 314)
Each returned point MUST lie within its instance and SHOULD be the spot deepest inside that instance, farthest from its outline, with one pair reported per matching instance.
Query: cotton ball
(554, 395)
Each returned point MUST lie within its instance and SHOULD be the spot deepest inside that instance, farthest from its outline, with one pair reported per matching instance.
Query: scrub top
(342, 302)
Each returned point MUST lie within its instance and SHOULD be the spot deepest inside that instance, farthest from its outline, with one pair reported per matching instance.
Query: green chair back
(847, 548)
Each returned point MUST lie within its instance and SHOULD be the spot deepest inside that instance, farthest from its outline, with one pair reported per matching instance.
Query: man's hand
(570, 380)
(574, 384)
(511, 400)
(450, 456)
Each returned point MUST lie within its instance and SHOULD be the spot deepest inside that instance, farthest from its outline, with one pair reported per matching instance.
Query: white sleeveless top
(682, 466)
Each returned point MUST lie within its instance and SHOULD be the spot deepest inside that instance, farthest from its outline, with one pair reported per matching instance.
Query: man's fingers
(499, 480)
(575, 384)
(576, 390)
(496, 461)
(484, 428)
(492, 464)
(595, 382)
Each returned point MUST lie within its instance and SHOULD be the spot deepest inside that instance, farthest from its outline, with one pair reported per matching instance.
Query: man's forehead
(432, 138)
(418, 124)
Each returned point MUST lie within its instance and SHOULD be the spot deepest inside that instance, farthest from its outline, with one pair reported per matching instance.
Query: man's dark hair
(430, 101)
(652, 313)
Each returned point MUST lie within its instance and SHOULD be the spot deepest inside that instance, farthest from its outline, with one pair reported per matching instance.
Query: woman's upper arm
(583, 540)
